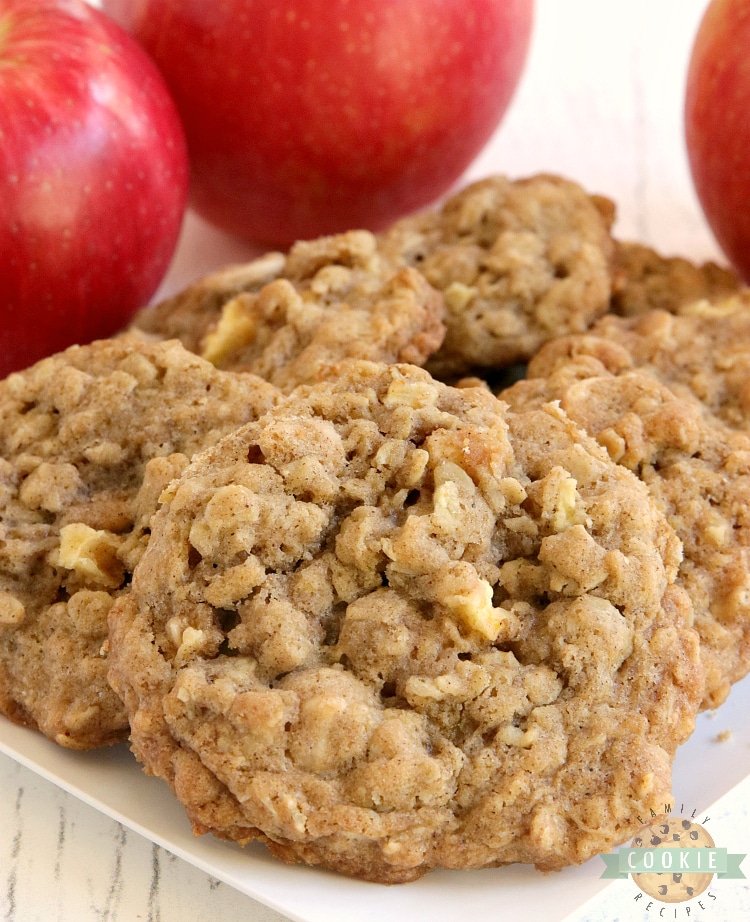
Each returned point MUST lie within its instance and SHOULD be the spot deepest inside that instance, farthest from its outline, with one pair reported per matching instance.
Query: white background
(600, 102)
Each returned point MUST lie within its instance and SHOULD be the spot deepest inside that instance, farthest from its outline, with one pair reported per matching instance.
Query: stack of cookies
(349, 589)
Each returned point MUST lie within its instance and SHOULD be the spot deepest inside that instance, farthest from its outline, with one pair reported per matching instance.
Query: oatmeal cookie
(702, 351)
(517, 262)
(391, 626)
(288, 318)
(194, 312)
(646, 280)
(88, 439)
(697, 471)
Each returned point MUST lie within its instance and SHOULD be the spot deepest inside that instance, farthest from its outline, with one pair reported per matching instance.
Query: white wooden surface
(600, 102)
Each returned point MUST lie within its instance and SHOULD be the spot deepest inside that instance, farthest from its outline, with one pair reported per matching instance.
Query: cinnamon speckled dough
(646, 280)
(702, 351)
(88, 439)
(698, 472)
(391, 627)
(192, 313)
(518, 263)
(288, 318)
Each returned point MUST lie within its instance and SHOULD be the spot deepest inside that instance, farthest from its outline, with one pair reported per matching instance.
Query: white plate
(112, 781)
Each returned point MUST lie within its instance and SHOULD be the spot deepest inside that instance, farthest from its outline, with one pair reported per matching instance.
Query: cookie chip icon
(673, 887)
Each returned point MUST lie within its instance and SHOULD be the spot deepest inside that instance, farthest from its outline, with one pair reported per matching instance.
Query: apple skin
(309, 117)
(93, 178)
(717, 125)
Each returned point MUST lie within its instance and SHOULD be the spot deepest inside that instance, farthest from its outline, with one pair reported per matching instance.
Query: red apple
(717, 125)
(307, 117)
(93, 177)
